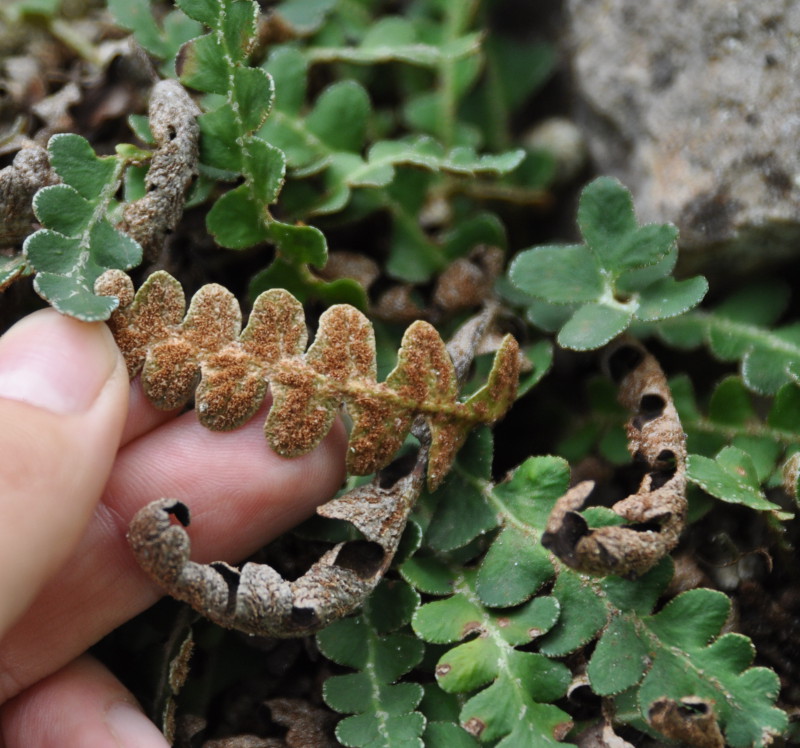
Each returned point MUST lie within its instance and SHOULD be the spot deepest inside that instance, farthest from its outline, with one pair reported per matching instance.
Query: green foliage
(161, 38)
(620, 274)
(79, 242)
(217, 63)
(730, 476)
(741, 329)
(435, 60)
(384, 711)
(683, 642)
(328, 140)
(460, 511)
(639, 657)
(516, 704)
(12, 268)
(748, 449)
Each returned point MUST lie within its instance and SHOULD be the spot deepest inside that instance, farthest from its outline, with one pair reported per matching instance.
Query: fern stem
(456, 20)
(707, 426)
(725, 326)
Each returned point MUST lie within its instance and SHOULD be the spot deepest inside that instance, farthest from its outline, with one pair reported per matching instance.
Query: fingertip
(82, 704)
(57, 363)
(63, 399)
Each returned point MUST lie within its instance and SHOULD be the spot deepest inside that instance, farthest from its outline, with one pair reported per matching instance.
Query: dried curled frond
(204, 353)
(29, 172)
(173, 168)
(256, 599)
(691, 720)
(307, 725)
(654, 516)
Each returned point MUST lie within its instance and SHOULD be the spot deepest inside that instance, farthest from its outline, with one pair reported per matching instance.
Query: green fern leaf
(384, 713)
(616, 277)
(78, 242)
(740, 329)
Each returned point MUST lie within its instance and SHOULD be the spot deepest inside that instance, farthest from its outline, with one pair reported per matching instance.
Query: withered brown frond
(655, 515)
(257, 599)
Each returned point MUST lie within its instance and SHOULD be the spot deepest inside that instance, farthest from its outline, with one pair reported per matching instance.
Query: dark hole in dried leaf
(397, 469)
(667, 458)
(180, 511)
(231, 577)
(653, 526)
(692, 708)
(304, 617)
(361, 557)
(573, 528)
(658, 478)
(623, 361)
(651, 406)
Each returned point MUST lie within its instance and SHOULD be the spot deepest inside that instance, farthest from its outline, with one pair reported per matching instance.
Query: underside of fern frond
(205, 353)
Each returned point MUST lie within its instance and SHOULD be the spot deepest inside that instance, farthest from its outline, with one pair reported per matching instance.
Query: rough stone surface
(694, 105)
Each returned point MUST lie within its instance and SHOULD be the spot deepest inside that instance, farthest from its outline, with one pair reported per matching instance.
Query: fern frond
(205, 353)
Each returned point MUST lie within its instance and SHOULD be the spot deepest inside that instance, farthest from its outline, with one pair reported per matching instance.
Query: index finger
(241, 495)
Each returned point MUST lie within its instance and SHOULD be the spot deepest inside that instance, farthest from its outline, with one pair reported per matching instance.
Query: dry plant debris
(691, 720)
(28, 173)
(256, 599)
(173, 168)
(204, 351)
(655, 515)
(308, 726)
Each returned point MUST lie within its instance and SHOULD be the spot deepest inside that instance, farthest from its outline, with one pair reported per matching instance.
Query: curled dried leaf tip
(691, 720)
(19, 182)
(653, 517)
(173, 167)
(206, 353)
(256, 599)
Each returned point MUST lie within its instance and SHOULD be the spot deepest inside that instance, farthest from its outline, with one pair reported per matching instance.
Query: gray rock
(695, 105)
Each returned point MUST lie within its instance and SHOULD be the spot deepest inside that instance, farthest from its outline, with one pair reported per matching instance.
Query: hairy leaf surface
(619, 275)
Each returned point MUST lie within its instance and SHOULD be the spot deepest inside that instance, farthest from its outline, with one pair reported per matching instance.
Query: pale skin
(81, 450)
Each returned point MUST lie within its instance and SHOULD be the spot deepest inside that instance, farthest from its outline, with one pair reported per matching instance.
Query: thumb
(63, 401)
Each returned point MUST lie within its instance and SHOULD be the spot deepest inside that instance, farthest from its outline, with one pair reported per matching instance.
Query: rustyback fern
(384, 710)
(85, 230)
(516, 704)
(736, 453)
(206, 350)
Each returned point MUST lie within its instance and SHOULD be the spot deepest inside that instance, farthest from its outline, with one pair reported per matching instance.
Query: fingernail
(54, 362)
(132, 729)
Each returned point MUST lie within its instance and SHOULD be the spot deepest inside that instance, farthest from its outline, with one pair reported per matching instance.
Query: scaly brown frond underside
(655, 515)
(206, 354)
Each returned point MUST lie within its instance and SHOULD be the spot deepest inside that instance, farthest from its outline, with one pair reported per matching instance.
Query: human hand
(81, 451)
